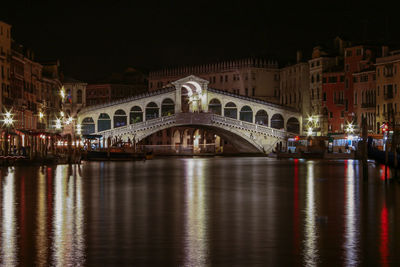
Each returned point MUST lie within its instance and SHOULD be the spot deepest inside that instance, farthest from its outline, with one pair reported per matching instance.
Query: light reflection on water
(310, 231)
(9, 224)
(68, 236)
(352, 231)
(196, 212)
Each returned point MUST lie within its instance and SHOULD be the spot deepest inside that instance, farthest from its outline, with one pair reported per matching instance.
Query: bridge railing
(250, 126)
(188, 119)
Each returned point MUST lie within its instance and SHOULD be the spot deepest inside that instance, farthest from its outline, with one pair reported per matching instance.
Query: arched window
(262, 117)
(167, 107)
(136, 115)
(277, 121)
(246, 114)
(152, 111)
(293, 125)
(104, 122)
(230, 110)
(88, 126)
(79, 97)
(120, 118)
(215, 106)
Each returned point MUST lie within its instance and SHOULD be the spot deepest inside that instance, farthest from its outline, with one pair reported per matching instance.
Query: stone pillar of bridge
(178, 98)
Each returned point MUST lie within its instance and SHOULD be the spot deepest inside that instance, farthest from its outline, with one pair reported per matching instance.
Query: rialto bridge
(251, 125)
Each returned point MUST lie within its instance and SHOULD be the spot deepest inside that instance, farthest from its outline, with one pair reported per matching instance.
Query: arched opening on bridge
(246, 114)
(293, 125)
(152, 111)
(277, 121)
(167, 107)
(88, 126)
(262, 117)
(215, 106)
(103, 122)
(176, 139)
(136, 115)
(185, 107)
(230, 110)
(120, 118)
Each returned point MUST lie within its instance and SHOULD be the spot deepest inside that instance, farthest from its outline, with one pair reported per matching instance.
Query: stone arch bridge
(251, 125)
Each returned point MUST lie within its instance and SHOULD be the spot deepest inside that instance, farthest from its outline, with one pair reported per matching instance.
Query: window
(347, 67)
(246, 91)
(331, 114)
(342, 114)
(79, 97)
(324, 96)
(226, 78)
(358, 52)
(347, 83)
(254, 91)
(324, 80)
(377, 109)
(312, 78)
(341, 78)
(349, 53)
(317, 77)
(221, 79)
(355, 98)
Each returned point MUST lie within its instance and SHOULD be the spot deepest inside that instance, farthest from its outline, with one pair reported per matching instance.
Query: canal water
(199, 212)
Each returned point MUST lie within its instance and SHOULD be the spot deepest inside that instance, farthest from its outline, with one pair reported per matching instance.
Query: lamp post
(8, 121)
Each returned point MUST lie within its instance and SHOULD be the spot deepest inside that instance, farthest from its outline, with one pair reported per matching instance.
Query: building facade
(334, 101)
(294, 83)
(387, 83)
(364, 83)
(320, 62)
(5, 64)
(256, 78)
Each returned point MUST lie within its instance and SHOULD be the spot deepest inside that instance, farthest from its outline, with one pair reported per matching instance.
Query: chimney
(385, 50)
(299, 56)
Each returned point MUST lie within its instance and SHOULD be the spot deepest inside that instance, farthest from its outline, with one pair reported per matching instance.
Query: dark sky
(95, 38)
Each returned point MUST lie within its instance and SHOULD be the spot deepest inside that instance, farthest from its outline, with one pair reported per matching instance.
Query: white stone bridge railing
(207, 119)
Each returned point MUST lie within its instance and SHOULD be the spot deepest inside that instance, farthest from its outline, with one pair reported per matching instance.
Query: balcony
(388, 95)
(338, 101)
(368, 105)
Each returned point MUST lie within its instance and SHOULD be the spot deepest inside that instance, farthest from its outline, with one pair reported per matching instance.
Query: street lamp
(349, 128)
(62, 93)
(68, 121)
(41, 115)
(58, 124)
(79, 129)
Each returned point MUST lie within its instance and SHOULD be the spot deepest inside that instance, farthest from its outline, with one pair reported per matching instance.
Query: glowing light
(58, 123)
(309, 131)
(62, 93)
(8, 118)
(62, 113)
(68, 121)
(78, 128)
(310, 118)
(41, 115)
(349, 128)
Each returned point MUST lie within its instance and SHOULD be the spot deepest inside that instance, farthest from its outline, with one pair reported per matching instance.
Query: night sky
(97, 38)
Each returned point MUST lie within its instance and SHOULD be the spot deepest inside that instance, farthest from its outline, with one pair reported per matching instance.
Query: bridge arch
(246, 114)
(152, 111)
(167, 107)
(293, 125)
(103, 122)
(88, 125)
(277, 121)
(135, 115)
(215, 106)
(261, 117)
(230, 110)
(120, 118)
